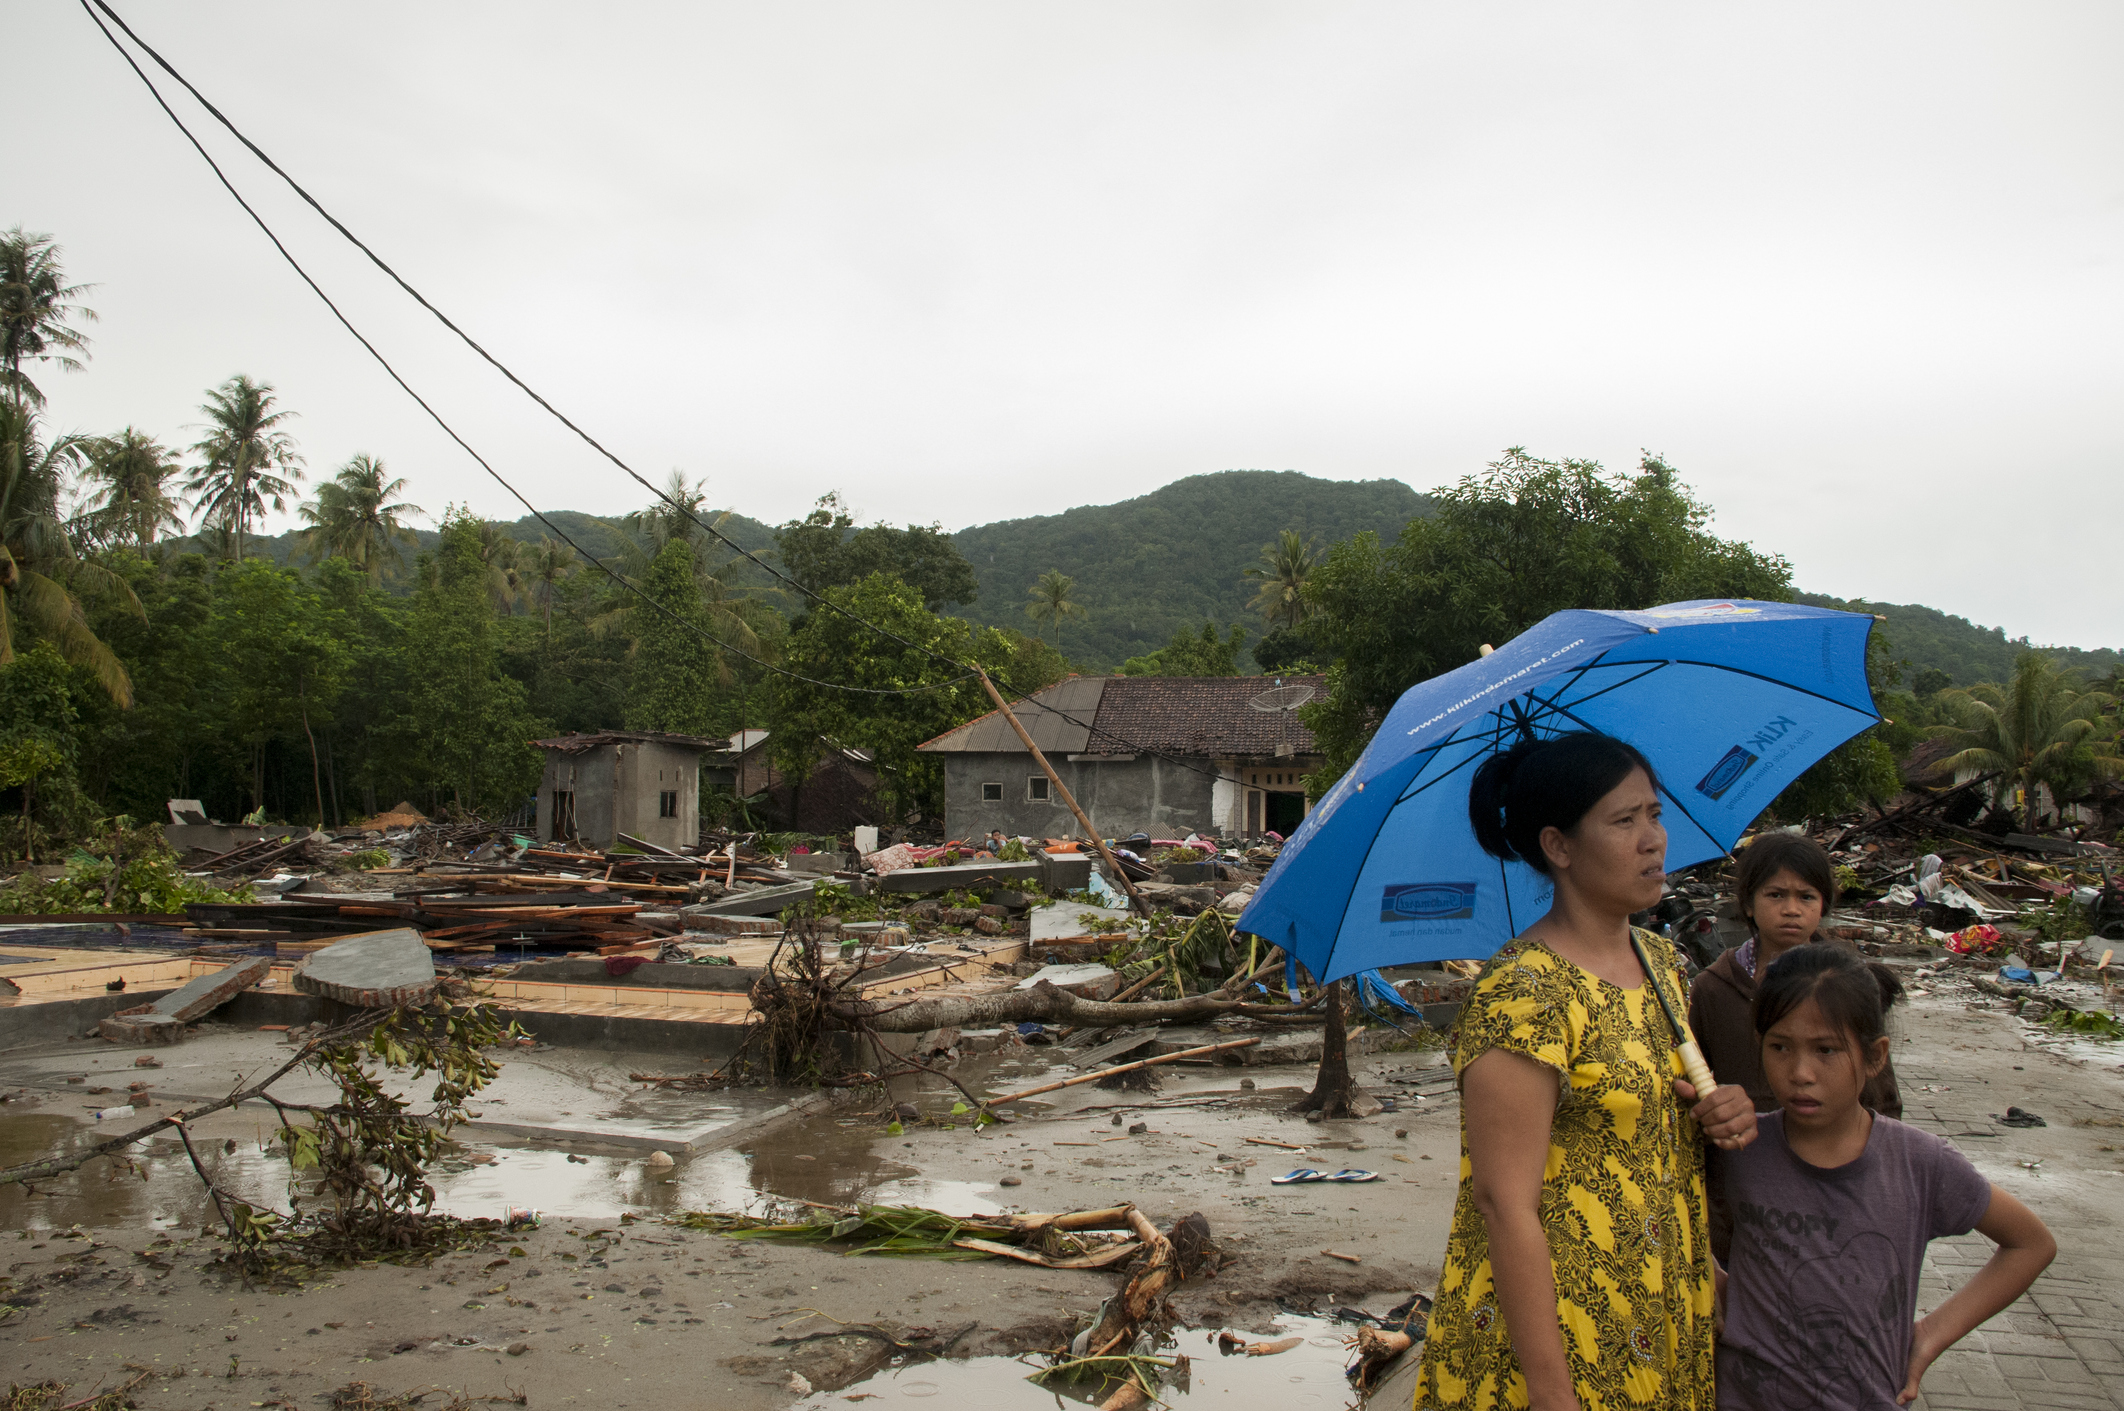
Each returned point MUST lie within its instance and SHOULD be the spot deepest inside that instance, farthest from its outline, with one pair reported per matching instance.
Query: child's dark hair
(1852, 994)
(1772, 853)
(1540, 784)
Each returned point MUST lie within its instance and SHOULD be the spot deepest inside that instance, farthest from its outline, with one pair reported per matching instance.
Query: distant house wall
(587, 775)
(1122, 796)
(646, 771)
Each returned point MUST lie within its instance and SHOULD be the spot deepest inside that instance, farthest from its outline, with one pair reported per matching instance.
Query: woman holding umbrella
(1578, 1274)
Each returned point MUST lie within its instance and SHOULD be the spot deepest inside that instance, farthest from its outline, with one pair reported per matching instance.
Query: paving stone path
(2060, 1346)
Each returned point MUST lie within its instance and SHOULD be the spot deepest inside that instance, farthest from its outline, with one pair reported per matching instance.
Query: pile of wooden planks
(576, 919)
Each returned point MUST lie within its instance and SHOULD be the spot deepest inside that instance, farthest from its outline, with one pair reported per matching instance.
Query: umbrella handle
(1695, 1069)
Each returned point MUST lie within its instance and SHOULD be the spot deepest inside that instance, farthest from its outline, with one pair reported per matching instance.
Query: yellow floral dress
(1622, 1198)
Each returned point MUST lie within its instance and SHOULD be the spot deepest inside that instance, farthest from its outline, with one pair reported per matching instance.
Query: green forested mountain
(1925, 638)
(1172, 559)
(1169, 560)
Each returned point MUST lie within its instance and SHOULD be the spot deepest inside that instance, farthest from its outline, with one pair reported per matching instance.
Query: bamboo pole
(1142, 906)
(1128, 1067)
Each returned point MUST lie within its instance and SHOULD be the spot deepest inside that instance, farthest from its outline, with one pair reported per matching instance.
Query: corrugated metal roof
(991, 734)
(576, 744)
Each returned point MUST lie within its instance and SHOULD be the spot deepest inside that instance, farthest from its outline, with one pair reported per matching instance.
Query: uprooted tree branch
(367, 1154)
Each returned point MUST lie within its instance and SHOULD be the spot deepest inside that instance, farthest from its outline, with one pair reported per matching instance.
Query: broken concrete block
(767, 901)
(1064, 871)
(140, 1025)
(1062, 921)
(163, 1021)
(961, 876)
(827, 862)
(1083, 981)
(381, 970)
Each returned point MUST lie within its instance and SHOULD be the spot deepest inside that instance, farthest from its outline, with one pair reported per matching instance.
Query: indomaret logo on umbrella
(1726, 773)
(1427, 901)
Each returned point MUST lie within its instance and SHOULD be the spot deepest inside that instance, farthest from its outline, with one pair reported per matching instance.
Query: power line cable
(967, 669)
(451, 431)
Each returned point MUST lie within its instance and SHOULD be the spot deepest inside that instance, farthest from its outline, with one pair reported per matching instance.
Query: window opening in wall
(992, 793)
(667, 804)
(1036, 788)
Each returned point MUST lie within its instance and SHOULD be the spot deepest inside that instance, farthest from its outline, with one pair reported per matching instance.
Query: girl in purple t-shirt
(1833, 1206)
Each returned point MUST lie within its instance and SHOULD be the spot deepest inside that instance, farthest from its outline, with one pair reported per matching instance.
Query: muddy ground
(108, 1274)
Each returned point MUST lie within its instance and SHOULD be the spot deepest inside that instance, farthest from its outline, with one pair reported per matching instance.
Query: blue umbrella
(1731, 701)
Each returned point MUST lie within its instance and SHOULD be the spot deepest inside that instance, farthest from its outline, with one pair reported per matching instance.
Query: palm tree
(1051, 601)
(35, 306)
(677, 514)
(551, 563)
(502, 552)
(673, 516)
(40, 573)
(1282, 574)
(2033, 731)
(355, 518)
(243, 449)
(133, 501)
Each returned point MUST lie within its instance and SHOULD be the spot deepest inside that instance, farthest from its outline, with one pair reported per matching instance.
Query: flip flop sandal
(1297, 1177)
(1352, 1177)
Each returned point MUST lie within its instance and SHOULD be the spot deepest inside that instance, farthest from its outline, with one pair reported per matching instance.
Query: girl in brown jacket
(1785, 885)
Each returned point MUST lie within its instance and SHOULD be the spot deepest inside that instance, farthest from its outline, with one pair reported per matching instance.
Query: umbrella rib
(1782, 685)
(1550, 701)
(1708, 834)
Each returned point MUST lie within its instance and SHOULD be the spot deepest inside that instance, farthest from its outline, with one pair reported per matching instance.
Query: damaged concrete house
(1165, 755)
(638, 782)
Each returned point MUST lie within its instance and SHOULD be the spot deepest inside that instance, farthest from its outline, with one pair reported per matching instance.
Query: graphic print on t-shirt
(1821, 1283)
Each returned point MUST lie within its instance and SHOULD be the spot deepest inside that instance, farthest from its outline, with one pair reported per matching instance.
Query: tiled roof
(1204, 716)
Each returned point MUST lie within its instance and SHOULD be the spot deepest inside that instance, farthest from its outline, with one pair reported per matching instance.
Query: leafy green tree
(42, 580)
(1281, 574)
(828, 646)
(1284, 651)
(1503, 550)
(357, 517)
(247, 458)
(1053, 600)
(283, 661)
(2039, 729)
(36, 312)
(133, 501)
(466, 726)
(1202, 654)
(173, 742)
(677, 676)
(38, 750)
(825, 550)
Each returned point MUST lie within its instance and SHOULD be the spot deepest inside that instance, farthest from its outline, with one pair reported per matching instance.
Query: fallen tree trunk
(1044, 1003)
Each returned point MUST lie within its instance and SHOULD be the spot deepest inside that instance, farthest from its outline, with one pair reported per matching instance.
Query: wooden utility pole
(1135, 897)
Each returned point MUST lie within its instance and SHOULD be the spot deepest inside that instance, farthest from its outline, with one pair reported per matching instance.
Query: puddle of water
(1309, 1375)
(813, 1161)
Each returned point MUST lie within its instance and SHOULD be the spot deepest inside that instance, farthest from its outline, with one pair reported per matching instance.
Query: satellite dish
(1282, 698)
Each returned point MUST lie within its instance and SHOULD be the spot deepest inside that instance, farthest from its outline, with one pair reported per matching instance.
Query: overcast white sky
(1853, 269)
